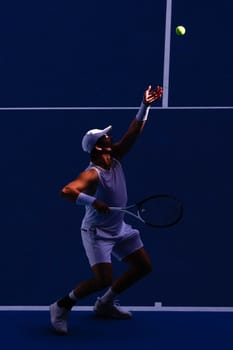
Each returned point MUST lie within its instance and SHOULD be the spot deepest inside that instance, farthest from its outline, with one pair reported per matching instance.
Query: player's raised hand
(152, 95)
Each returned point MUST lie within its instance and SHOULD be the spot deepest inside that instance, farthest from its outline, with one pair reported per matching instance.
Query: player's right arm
(122, 147)
(81, 191)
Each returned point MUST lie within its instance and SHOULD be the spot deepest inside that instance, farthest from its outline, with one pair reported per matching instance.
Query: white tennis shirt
(111, 190)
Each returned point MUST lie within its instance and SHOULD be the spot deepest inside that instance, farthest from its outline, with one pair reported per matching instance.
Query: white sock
(108, 296)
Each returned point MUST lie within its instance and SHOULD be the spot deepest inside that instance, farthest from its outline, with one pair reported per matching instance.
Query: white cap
(91, 137)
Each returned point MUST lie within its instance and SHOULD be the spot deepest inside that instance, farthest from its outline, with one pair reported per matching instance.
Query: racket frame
(139, 204)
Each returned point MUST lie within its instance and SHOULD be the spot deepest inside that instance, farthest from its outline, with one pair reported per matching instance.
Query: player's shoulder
(116, 162)
(92, 171)
(90, 174)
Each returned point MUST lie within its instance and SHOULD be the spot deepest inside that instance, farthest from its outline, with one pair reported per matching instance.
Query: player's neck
(104, 161)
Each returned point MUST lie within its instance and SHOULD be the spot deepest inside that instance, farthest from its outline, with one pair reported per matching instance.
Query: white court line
(199, 107)
(166, 62)
(108, 108)
(157, 308)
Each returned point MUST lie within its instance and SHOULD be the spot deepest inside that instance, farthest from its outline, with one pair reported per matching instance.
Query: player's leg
(59, 310)
(140, 266)
(102, 279)
(99, 256)
(131, 251)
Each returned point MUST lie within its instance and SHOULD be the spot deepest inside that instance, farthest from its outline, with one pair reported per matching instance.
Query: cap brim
(92, 137)
(106, 130)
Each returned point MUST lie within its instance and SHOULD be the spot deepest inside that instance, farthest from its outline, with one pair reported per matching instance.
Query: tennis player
(104, 232)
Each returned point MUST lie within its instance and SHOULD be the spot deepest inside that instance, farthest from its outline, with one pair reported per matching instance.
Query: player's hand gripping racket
(159, 211)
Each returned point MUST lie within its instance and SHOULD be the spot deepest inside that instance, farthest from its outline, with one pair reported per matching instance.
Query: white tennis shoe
(58, 318)
(111, 310)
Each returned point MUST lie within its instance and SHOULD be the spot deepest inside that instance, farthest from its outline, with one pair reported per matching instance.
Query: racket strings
(161, 211)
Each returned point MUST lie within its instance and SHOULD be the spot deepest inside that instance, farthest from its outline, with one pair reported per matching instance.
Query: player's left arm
(124, 145)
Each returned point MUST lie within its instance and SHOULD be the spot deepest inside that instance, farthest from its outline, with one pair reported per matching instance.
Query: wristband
(143, 112)
(84, 199)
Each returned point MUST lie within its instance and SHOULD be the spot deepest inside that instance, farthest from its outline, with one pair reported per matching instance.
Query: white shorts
(99, 245)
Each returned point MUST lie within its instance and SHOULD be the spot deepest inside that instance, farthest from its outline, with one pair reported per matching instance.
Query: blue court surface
(67, 67)
(147, 330)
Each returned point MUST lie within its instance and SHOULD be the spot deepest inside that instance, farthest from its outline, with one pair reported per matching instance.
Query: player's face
(104, 144)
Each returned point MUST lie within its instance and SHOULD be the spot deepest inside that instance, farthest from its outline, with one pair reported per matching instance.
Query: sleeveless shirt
(111, 189)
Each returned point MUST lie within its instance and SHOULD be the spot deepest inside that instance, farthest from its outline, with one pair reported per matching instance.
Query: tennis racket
(158, 211)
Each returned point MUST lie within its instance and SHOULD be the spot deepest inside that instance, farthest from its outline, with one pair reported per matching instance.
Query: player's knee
(145, 268)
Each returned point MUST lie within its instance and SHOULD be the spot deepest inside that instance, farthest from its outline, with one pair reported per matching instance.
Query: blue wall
(100, 55)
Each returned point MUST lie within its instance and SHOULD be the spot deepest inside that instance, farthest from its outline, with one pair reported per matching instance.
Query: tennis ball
(180, 30)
